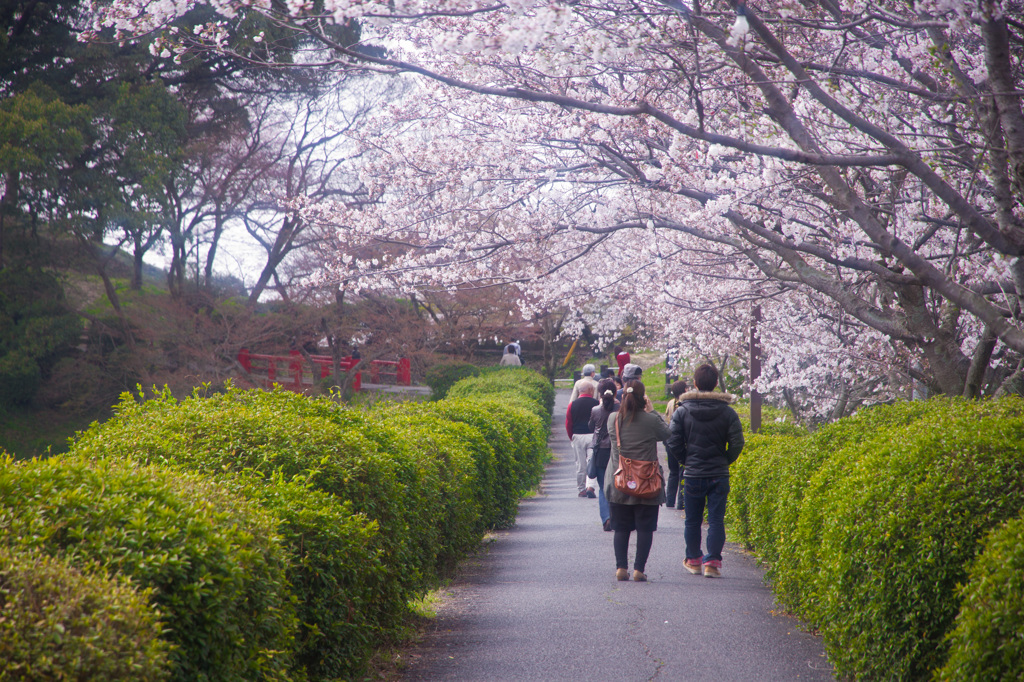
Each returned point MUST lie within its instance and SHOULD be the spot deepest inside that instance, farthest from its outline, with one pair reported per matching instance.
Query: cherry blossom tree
(854, 168)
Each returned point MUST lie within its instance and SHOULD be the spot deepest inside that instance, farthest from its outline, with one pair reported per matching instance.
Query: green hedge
(336, 571)
(442, 376)
(516, 386)
(59, 623)
(313, 442)
(494, 457)
(372, 506)
(213, 561)
(446, 491)
(988, 641)
(869, 525)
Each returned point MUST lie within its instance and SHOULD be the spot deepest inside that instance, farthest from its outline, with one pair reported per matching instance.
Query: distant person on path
(706, 438)
(630, 372)
(518, 349)
(509, 358)
(602, 444)
(633, 433)
(672, 484)
(577, 424)
(586, 380)
(622, 358)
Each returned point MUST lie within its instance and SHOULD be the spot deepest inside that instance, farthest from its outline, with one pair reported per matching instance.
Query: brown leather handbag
(636, 477)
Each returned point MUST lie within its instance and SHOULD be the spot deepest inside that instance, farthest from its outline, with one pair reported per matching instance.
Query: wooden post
(755, 369)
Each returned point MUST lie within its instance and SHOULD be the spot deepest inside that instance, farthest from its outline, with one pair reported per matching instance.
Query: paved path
(542, 603)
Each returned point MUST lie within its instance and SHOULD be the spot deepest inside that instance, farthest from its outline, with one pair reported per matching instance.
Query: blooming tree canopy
(853, 168)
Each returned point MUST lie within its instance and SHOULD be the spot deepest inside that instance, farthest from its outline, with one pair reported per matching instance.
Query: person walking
(672, 491)
(634, 433)
(706, 438)
(586, 380)
(630, 372)
(581, 434)
(602, 444)
(509, 358)
(622, 359)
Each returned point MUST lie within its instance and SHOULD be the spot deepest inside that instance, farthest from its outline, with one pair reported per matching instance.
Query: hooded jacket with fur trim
(706, 434)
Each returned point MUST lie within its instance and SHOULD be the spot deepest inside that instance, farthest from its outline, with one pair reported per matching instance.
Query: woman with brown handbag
(634, 481)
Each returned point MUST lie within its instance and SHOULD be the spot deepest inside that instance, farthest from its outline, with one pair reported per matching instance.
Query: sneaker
(590, 493)
(621, 574)
(711, 571)
(692, 565)
(639, 577)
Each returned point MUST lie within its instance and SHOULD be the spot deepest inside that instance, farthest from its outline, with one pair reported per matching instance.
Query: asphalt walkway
(542, 603)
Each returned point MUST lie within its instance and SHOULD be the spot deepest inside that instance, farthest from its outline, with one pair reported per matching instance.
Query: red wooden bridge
(293, 373)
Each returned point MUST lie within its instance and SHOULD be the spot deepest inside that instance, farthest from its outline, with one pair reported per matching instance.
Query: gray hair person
(587, 379)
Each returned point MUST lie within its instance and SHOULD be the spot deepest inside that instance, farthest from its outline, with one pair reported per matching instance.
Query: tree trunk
(7, 207)
(979, 364)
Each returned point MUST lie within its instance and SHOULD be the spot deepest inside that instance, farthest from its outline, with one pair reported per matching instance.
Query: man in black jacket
(706, 438)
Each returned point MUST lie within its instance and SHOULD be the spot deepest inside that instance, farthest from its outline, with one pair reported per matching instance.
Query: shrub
(519, 386)
(775, 473)
(442, 376)
(335, 571)
(58, 623)
(494, 459)
(20, 377)
(988, 641)
(213, 560)
(314, 442)
(520, 460)
(373, 504)
(77, 387)
(876, 519)
(444, 451)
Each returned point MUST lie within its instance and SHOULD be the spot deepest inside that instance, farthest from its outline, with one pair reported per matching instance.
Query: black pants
(644, 540)
(627, 518)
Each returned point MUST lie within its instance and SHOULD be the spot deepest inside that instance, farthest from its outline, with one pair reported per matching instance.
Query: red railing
(401, 370)
(295, 375)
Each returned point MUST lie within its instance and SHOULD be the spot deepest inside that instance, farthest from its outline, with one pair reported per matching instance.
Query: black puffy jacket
(706, 434)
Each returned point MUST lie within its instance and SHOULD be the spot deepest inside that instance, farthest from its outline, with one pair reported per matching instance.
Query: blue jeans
(602, 501)
(697, 491)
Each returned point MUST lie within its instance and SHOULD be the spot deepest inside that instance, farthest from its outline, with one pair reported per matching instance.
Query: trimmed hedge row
(341, 515)
(869, 525)
(517, 386)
